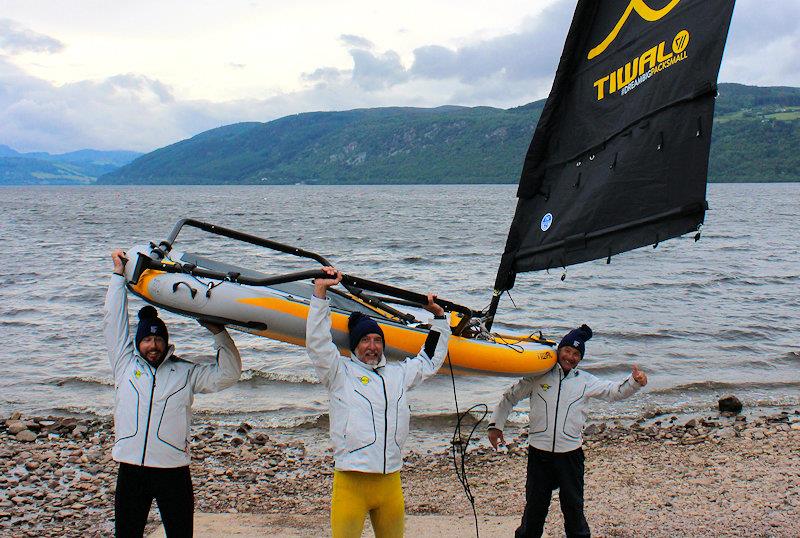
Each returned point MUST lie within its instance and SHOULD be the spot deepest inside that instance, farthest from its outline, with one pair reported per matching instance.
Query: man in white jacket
(557, 415)
(369, 413)
(154, 391)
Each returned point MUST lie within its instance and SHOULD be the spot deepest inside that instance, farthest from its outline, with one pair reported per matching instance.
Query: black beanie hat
(360, 326)
(150, 324)
(577, 338)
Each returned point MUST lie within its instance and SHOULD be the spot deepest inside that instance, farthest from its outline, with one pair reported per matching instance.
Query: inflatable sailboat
(276, 306)
(618, 160)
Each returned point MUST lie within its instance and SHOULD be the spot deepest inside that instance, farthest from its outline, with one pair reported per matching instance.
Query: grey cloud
(373, 71)
(531, 53)
(762, 44)
(326, 74)
(16, 39)
(758, 23)
(356, 41)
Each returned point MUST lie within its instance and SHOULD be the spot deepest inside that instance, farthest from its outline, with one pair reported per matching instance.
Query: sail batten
(619, 158)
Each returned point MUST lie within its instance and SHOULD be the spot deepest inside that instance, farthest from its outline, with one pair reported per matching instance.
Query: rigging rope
(459, 446)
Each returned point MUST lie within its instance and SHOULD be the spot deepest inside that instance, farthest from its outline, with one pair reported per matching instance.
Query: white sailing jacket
(153, 407)
(369, 414)
(558, 405)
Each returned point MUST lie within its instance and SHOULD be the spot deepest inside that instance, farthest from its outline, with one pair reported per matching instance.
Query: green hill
(77, 167)
(756, 133)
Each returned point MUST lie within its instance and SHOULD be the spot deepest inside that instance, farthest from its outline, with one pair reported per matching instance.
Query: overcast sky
(98, 74)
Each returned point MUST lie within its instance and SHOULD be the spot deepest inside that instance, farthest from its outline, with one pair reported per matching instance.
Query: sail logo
(547, 221)
(643, 10)
(640, 69)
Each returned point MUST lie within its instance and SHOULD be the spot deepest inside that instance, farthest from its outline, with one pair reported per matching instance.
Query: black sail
(619, 157)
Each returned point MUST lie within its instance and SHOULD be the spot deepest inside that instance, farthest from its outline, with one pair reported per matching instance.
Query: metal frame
(355, 285)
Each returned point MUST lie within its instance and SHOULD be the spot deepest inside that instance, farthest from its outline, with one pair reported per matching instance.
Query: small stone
(26, 436)
(244, 427)
(236, 441)
(15, 426)
(260, 439)
(730, 404)
(590, 430)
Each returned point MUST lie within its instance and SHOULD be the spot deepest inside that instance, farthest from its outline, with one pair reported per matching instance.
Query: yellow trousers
(355, 494)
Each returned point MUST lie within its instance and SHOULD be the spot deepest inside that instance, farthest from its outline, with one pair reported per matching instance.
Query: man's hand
(432, 307)
(213, 327)
(321, 285)
(639, 376)
(496, 437)
(119, 258)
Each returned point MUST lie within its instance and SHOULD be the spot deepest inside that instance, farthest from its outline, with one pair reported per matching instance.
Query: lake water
(702, 319)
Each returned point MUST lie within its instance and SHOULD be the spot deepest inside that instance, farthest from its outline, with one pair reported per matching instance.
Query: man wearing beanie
(152, 415)
(558, 401)
(369, 413)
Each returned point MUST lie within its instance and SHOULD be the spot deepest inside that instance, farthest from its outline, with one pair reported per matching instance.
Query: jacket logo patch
(138, 373)
(364, 379)
(544, 386)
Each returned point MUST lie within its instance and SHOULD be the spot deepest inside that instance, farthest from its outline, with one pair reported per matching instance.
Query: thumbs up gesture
(639, 376)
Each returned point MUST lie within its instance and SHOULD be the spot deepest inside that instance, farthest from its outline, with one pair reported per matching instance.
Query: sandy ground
(280, 526)
(718, 476)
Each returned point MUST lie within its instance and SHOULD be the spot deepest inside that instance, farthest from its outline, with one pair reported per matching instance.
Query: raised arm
(319, 343)
(227, 368)
(116, 330)
(518, 391)
(431, 357)
(612, 391)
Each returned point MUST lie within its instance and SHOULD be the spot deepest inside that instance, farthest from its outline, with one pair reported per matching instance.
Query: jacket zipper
(385, 419)
(149, 412)
(558, 398)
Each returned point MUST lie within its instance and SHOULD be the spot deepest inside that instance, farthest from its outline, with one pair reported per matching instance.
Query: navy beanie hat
(150, 324)
(577, 338)
(360, 326)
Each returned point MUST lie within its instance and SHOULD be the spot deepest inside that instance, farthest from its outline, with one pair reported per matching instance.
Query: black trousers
(546, 472)
(138, 486)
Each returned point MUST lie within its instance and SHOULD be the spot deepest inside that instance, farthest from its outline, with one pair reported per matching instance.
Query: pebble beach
(720, 475)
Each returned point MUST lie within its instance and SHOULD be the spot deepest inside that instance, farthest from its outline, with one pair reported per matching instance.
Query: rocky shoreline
(725, 474)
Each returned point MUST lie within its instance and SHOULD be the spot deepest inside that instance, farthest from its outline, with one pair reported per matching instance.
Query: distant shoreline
(124, 185)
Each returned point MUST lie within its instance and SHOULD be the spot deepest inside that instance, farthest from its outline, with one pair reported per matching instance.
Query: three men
(154, 390)
(558, 400)
(369, 413)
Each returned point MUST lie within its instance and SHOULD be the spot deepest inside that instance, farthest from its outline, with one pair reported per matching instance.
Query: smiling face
(370, 349)
(152, 348)
(568, 358)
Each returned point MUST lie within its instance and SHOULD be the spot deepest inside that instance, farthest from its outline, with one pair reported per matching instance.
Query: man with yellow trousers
(369, 413)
